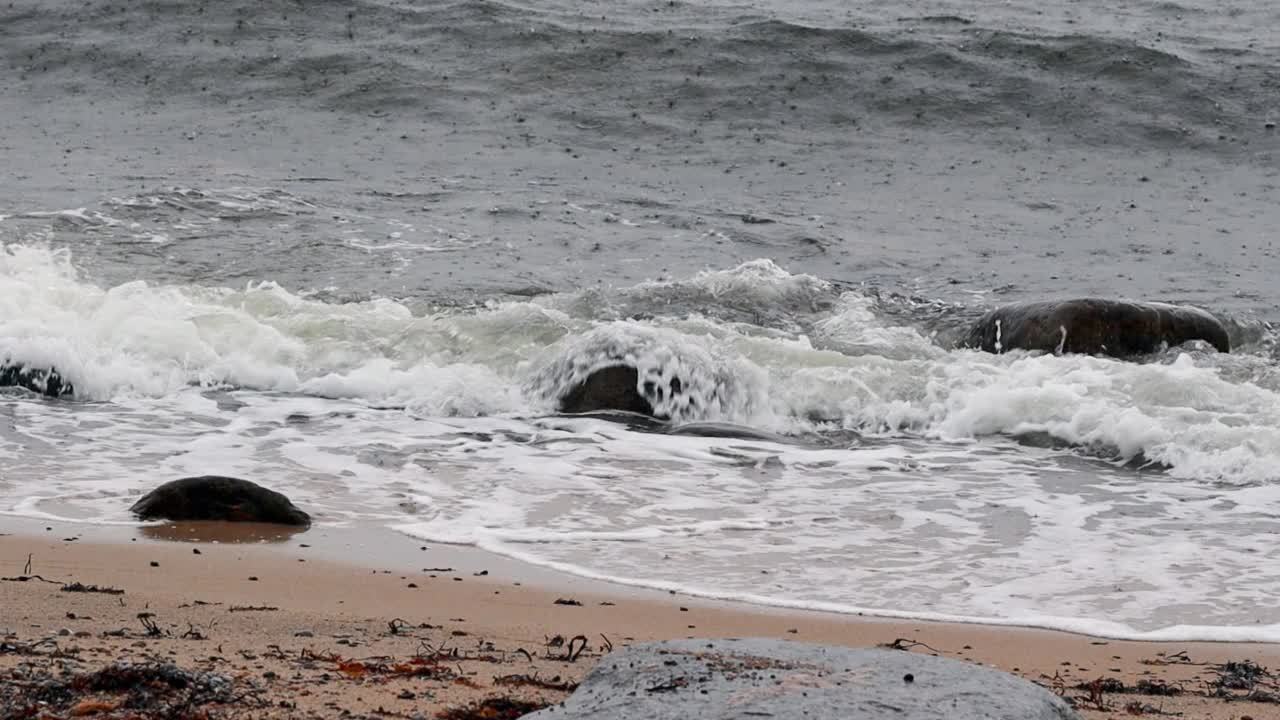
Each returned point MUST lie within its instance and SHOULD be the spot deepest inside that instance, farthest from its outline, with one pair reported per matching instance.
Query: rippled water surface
(357, 251)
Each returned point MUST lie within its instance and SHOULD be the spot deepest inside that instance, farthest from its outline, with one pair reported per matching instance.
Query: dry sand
(366, 623)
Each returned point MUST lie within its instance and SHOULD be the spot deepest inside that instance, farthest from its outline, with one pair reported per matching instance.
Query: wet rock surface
(611, 388)
(213, 497)
(1095, 326)
(47, 382)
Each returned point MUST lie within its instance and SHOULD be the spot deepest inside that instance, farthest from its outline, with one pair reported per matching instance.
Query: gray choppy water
(933, 147)
(353, 250)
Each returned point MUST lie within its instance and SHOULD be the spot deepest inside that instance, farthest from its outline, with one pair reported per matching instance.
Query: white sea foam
(437, 424)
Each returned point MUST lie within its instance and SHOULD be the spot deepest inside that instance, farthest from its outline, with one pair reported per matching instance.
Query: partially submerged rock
(616, 387)
(656, 372)
(212, 497)
(46, 381)
(712, 679)
(1095, 326)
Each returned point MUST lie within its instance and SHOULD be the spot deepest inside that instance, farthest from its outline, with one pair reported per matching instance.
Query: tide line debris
(139, 689)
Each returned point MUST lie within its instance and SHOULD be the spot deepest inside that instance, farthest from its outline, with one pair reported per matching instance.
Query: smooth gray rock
(759, 678)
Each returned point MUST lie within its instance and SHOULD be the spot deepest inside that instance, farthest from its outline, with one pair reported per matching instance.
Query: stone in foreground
(1095, 326)
(212, 497)
(759, 678)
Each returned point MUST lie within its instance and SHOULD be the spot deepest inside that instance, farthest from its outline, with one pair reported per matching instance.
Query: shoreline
(345, 583)
(350, 545)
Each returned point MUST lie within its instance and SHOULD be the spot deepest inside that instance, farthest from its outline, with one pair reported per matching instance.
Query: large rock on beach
(212, 497)
(721, 679)
(46, 381)
(1093, 326)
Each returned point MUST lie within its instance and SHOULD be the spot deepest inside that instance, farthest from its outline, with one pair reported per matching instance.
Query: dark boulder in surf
(47, 382)
(618, 387)
(212, 497)
(652, 372)
(1092, 326)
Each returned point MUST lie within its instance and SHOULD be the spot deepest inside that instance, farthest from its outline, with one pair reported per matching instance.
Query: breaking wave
(819, 359)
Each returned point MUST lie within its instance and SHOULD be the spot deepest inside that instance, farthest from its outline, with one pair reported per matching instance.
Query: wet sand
(377, 624)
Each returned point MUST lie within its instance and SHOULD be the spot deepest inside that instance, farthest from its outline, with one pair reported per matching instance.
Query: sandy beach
(376, 254)
(366, 623)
